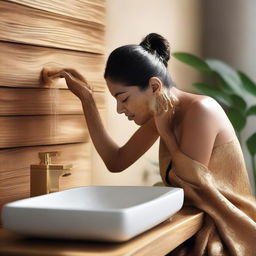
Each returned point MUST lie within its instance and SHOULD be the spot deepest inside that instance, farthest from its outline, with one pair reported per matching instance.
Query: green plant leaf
(251, 111)
(192, 60)
(238, 102)
(222, 84)
(248, 84)
(237, 119)
(216, 94)
(251, 144)
(228, 74)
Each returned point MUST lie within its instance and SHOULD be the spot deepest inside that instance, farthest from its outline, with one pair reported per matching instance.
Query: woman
(199, 150)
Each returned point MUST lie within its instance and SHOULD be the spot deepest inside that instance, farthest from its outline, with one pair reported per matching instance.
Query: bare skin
(198, 125)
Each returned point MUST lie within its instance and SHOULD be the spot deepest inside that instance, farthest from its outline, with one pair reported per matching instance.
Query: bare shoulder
(199, 129)
(204, 107)
(207, 112)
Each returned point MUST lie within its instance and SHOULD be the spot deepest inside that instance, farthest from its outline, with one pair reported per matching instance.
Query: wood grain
(21, 65)
(37, 27)
(15, 101)
(36, 117)
(86, 10)
(17, 131)
(159, 240)
(15, 168)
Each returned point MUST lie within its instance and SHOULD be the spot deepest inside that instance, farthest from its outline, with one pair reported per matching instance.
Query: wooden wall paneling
(100, 87)
(21, 65)
(35, 117)
(15, 168)
(17, 131)
(86, 10)
(16, 101)
(37, 27)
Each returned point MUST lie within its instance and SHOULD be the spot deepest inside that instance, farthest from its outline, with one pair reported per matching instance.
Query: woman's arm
(115, 158)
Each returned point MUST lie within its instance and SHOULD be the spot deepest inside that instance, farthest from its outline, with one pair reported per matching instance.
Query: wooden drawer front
(43, 28)
(86, 10)
(21, 65)
(17, 131)
(15, 168)
(15, 101)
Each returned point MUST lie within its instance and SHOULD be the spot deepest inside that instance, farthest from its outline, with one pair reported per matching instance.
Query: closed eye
(125, 99)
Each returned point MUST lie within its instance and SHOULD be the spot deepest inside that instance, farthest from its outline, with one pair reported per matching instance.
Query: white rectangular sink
(105, 213)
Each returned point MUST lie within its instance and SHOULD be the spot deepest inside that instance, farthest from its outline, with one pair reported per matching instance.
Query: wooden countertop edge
(157, 241)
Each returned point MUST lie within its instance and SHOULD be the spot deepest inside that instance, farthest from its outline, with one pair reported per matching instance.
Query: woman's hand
(75, 81)
(46, 75)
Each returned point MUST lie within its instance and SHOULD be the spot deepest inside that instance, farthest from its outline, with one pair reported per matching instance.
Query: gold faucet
(44, 177)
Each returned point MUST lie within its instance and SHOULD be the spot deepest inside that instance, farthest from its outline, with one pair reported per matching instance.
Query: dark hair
(135, 64)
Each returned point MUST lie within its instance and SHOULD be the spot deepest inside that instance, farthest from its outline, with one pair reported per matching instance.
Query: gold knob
(45, 157)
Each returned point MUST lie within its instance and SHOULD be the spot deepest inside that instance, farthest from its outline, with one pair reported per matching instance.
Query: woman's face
(131, 101)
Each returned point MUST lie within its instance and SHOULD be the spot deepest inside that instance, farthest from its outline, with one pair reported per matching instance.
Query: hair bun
(154, 42)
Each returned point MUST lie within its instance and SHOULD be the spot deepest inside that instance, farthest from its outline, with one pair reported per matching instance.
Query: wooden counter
(157, 241)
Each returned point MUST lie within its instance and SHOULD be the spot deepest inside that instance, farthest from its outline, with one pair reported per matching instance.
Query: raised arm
(115, 158)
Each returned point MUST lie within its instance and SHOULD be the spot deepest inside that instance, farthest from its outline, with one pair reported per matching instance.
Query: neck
(179, 94)
(179, 106)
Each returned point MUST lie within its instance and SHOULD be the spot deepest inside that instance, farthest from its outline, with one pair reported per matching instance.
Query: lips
(130, 117)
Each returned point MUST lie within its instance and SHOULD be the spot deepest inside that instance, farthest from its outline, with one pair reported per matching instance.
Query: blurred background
(80, 34)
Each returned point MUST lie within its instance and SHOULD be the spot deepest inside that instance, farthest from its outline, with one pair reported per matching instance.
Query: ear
(156, 84)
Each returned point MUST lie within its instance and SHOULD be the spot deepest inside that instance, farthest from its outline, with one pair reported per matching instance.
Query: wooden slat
(17, 131)
(21, 65)
(158, 241)
(22, 24)
(86, 10)
(15, 168)
(15, 101)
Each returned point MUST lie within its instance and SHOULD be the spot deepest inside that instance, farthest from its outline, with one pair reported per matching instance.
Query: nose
(119, 107)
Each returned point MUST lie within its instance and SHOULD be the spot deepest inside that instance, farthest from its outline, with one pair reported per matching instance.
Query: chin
(141, 121)
(138, 123)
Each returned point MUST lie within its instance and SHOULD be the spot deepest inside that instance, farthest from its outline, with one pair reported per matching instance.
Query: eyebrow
(118, 94)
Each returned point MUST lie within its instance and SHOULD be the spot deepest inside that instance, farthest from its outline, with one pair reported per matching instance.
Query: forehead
(112, 85)
(117, 87)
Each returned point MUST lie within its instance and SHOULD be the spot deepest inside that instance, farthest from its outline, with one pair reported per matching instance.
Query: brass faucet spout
(44, 177)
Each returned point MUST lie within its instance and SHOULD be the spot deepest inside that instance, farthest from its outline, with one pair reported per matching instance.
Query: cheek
(144, 104)
(137, 106)
(140, 107)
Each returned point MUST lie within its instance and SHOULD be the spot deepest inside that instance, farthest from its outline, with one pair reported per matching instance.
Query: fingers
(69, 76)
(48, 71)
(75, 74)
(54, 73)
(64, 74)
(58, 75)
(47, 75)
(78, 76)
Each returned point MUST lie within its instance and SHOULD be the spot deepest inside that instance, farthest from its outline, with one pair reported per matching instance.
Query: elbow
(114, 168)
(115, 164)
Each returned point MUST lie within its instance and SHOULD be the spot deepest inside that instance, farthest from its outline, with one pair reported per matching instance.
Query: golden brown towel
(222, 190)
